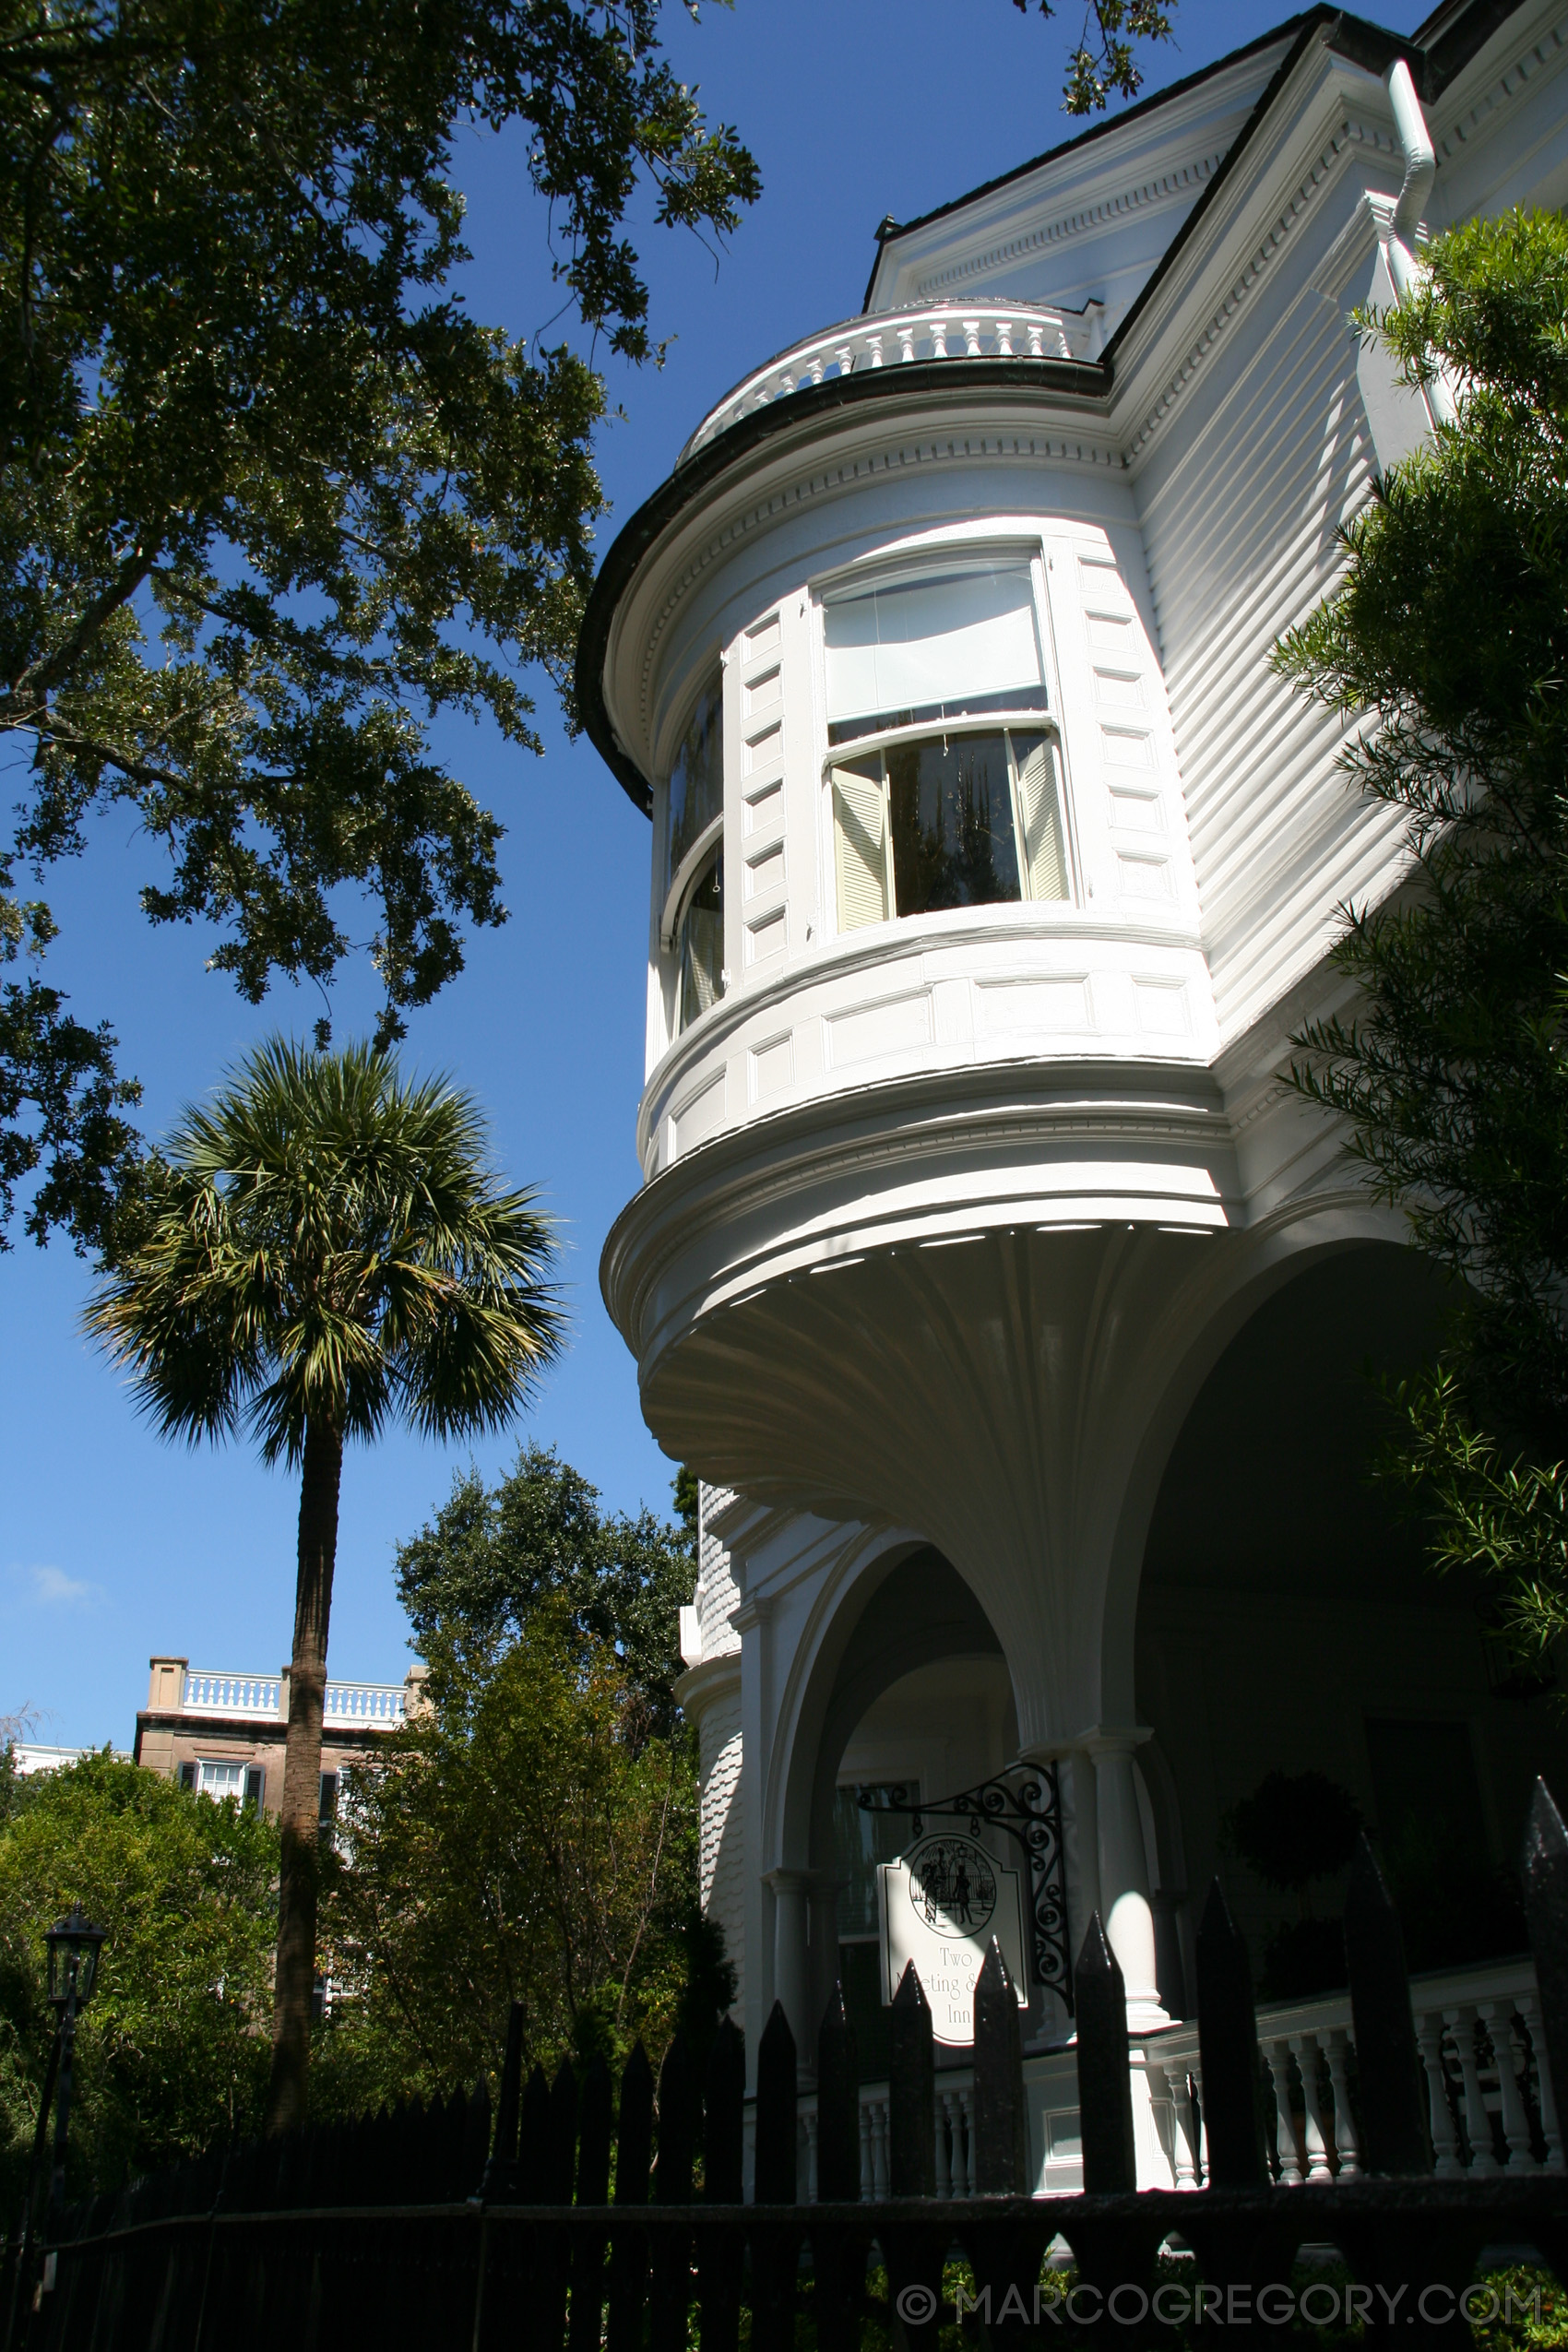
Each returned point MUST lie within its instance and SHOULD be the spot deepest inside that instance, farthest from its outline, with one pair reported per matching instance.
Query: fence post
(503, 2154)
(594, 2104)
(628, 2257)
(1228, 2044)
(1105, 2091)
(774, 2251)
(672, 2186)
(999, 2134)
(912, 2091)
(720, 2254)
(1546, 1912)
(838, 2105)
(1393, 2084)
(531, 2161)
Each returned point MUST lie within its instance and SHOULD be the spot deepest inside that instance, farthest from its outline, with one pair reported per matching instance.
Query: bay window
(693, 926)
(952, 794)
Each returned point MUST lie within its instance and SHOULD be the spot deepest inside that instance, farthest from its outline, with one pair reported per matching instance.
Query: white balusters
(1197, 2079)
(1444, 2133)
(939, 338)
(1498, 2018)
(873, 345)
(845, 357)
(1003, 338)
(1279, 2056)
(1478, 2122)
(1347, 2140)
(1187, 2153)
(967, 2117)
(906, 343)
(971, 339)
(1036, 333)
(1529, 2010)
(1309, 2059)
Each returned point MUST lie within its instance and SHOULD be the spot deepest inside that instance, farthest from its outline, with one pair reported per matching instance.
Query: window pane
(932, 650)
(859, 828)
(696, 777)
(860, 1840)
(952, 812)
(222, 1779)
(1039, 812)
(702, 944)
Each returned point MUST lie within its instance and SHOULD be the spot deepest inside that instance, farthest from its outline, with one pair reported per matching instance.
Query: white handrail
(379, 1706)
(894, 338)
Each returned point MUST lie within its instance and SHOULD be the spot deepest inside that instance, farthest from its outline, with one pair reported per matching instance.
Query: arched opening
(919, 1706)
(1287, 1625)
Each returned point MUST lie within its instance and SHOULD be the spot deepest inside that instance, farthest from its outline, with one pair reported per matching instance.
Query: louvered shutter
(1040, 807)
(187, 1775)
(328, 1798)
(860, 826)
(256, 1787)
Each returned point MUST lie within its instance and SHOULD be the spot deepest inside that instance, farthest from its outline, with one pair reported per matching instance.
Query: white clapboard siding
(1241, 542)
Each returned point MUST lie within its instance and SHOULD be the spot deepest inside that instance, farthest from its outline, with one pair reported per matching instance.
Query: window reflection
(696, 777)
(952, 812)
(702, 944)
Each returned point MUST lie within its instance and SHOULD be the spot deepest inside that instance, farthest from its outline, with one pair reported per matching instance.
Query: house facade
(1010, 1306)
(224, 1734)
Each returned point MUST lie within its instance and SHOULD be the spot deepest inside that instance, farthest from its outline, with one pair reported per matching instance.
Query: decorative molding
(1348, 134)
(1078, 450)
(1162, 190)
(1546, 50)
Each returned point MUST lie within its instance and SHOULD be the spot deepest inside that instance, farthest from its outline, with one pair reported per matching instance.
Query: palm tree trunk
(294, 1986)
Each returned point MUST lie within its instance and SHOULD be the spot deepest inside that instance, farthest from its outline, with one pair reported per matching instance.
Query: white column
(792, 1959)
(1123, 1877)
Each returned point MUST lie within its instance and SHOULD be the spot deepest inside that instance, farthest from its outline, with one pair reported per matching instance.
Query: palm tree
(326, 1246)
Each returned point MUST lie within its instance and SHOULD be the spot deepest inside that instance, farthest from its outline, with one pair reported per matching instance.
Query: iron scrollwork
(1025, 1801)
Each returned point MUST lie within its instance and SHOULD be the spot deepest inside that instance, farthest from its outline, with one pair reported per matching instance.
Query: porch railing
(246, 1697)
(894, 339)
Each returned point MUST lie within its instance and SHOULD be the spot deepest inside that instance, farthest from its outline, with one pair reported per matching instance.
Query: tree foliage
(269, 497)
(172, 2054)
(524, 1841)
(492, 1556)
(326, 1247)
(1450, 632)
(1103, 61)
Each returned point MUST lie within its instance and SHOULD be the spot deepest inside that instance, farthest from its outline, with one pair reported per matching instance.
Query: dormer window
(939, 809)
(692, 931)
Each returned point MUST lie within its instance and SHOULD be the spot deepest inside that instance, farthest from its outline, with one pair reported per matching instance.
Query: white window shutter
(1039, 809)
(859, 825)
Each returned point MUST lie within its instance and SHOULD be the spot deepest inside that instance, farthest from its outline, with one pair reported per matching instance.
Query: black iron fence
(586, 2218)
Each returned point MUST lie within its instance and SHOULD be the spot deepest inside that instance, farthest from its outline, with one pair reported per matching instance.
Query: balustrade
(898, 338)
(373, 1705)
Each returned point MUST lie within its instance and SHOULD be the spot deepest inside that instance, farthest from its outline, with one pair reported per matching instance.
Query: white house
(1009, 1306)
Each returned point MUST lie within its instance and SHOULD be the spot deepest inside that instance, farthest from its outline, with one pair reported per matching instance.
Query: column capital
(1096, 1739)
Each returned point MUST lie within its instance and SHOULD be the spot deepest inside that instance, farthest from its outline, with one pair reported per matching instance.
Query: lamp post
(73, 1943)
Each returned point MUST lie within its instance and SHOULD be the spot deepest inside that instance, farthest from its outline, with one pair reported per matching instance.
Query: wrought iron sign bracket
(1024, 1800)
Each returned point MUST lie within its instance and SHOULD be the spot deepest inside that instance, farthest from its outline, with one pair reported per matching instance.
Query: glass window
(950, 820)
(220, 1780)
(961, 643)
(863, 1837)
(701, 943)
(696, 777)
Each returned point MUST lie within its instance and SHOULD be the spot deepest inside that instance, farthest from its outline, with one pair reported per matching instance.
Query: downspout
(1420, 171)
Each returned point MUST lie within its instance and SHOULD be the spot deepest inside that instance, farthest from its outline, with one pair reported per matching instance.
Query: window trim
(1007, 724)
(688, 874)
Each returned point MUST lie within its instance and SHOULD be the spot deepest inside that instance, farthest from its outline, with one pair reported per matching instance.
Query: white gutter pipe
(1420, 171)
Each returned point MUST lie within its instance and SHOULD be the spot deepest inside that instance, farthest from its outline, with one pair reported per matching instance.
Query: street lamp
(74, 1944)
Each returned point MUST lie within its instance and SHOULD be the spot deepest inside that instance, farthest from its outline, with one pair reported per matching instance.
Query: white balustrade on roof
(897, 339)
(378, 1707)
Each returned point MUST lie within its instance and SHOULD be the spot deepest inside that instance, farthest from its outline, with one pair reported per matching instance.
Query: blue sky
(113, 1546)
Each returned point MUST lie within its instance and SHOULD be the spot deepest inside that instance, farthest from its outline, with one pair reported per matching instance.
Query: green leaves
(326, 1243)
(1450, 632)
(171, 2056)
(1107, 65)
(270, 498)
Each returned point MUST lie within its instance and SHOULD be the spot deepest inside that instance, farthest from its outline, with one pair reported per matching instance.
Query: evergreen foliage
(492, 1556)
(1448, 642)
(171, 2055)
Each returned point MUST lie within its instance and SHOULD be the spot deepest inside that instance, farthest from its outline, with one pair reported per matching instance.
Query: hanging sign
(940, 1905)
